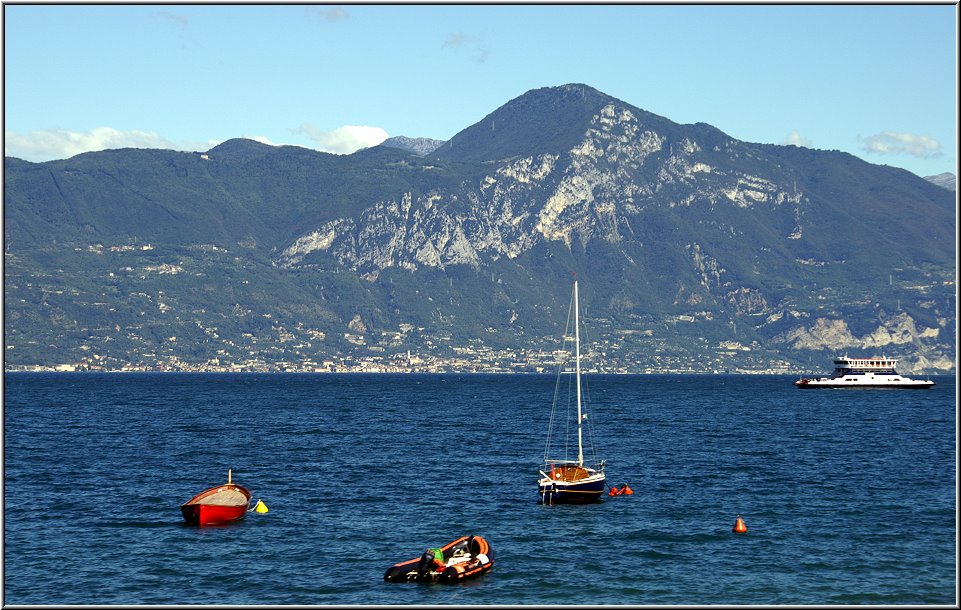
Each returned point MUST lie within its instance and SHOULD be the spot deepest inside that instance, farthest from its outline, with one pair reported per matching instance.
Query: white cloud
(475, 45)
(263, 140)
(173, 17)
(49, 144)
(456, 39)
(893, 143)
(334, 13)
(795, 138)
(343, 140)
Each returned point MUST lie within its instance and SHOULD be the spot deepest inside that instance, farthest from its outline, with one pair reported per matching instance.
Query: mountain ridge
(945, 179)
(418, 146)
(688, 234)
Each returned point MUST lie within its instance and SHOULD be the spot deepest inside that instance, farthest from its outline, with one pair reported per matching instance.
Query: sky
(878, 81)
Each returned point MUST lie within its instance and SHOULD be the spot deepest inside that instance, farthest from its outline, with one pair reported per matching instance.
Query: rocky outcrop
(590, 193)
(823, 334)
(826, 333)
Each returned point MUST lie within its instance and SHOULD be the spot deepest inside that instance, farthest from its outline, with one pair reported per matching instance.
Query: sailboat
(566, 479)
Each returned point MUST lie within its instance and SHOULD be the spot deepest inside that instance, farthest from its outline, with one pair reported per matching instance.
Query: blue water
(849, 495)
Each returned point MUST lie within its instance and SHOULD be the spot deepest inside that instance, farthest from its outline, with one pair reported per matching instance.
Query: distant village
(195, 344)
(297, 351)
(504, 363)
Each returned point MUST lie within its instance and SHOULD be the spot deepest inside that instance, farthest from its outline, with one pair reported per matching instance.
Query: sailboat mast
(577, 368)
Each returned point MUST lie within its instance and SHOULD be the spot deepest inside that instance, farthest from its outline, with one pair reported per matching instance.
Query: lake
(848, 495)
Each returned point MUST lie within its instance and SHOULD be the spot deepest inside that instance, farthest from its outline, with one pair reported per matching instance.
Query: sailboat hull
(582, 489)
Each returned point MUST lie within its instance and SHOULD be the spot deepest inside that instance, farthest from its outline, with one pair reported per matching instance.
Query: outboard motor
(426, 562)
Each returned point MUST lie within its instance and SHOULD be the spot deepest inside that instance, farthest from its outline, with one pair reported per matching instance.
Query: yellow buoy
(260, 507)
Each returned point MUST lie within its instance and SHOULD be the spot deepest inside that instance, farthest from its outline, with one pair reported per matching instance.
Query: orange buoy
(739, 527)
(614, 492)
(626, 490)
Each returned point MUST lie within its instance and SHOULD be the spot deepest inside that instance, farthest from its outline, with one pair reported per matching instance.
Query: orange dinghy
(466, 557)
(220, 504)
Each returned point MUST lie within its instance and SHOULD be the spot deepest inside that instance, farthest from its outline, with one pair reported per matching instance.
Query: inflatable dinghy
(466, 557)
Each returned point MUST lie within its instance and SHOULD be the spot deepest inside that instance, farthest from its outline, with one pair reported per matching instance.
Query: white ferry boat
(864, 373)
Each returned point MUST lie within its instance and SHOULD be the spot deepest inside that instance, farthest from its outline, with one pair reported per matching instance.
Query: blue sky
(877, 81)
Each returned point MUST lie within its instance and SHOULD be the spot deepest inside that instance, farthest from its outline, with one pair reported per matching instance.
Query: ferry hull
(840, 385)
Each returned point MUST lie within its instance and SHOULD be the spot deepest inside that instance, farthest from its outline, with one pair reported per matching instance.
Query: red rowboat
(219, 504)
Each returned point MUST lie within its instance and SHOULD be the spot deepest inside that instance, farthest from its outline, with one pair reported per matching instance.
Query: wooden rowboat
(220, 504)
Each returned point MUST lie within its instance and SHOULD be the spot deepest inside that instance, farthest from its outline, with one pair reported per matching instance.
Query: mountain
(946, 180)
(696, 251)
(418, 146)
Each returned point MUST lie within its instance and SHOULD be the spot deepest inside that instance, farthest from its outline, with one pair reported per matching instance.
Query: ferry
(864, 373)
